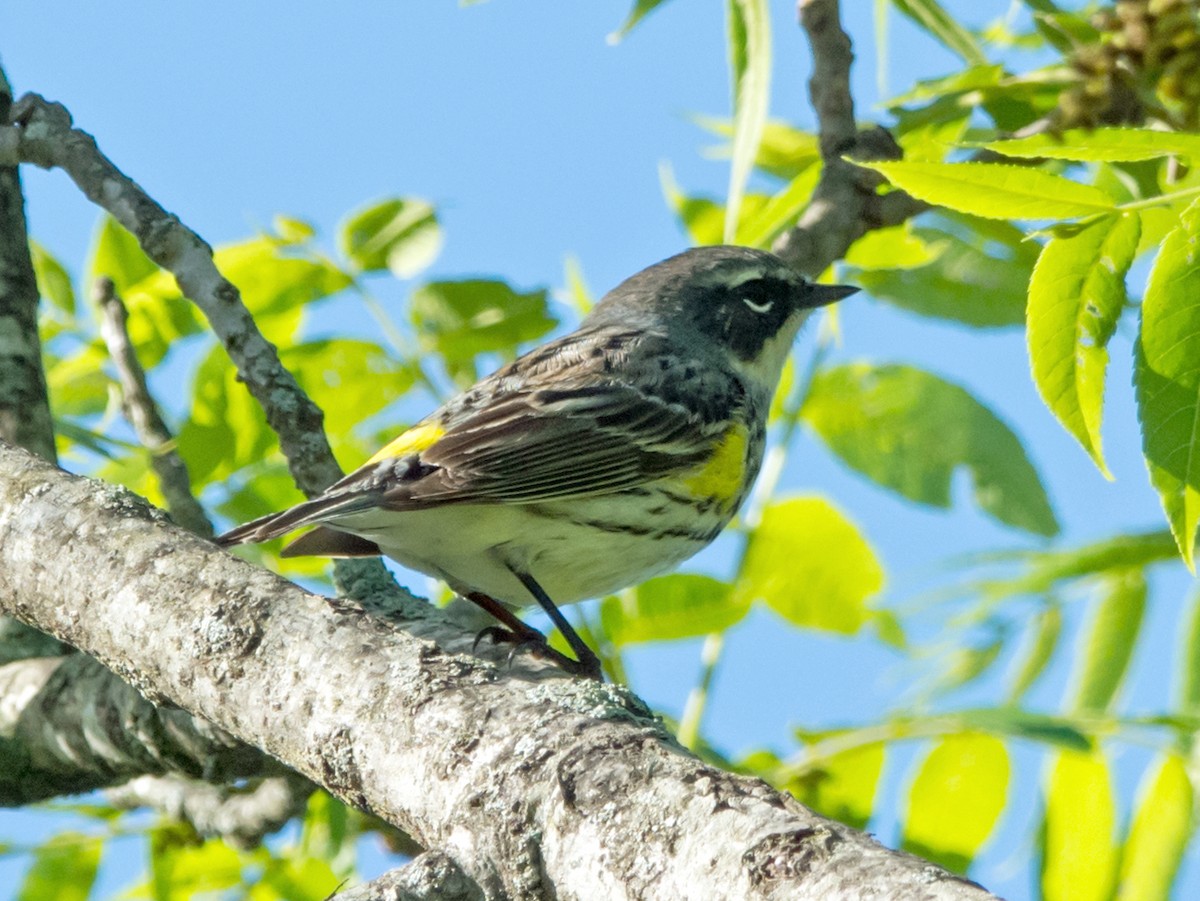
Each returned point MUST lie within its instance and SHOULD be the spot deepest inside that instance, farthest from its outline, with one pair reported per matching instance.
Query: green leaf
(897, 247)
(811, 565)
(276, 282)
(750, 65)
(784, 150)
(956, 798)
(995, 190)
(298, 879)
(670, 607)
(1075, 300)
(351, 381)
(945, 28)
(63, 869)
(326, 835)
(181, 868)
(291, 230)
(1167, 380)
(890, 424)
(1024, 724)
(116, 254)
(77, 383)
(459, 320)
(1078, 857)
(1159, 832)
(761, 223)
(985, 288)
(1110, 642)
(53, 281)
(1044, 631)
(1114, 145)
(1046, 570)
(401, 234)
(1188, 674)
(226, 429)
(843, 785)
(641, 9)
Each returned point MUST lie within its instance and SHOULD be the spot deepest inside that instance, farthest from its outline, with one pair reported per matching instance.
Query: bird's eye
(763, 307)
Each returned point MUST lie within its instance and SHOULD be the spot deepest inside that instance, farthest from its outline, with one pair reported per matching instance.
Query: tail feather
(310, 512)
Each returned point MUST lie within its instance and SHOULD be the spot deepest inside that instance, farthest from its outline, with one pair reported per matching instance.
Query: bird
(588, 464)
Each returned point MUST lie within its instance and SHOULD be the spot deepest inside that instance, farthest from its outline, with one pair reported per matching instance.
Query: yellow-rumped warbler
(590, 463)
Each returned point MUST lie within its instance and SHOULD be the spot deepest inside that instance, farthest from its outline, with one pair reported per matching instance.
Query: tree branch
(240, 816)
(44, 136)
(845, 205)
(142, 412)
(24, 408)
(68, 725)
(534, 784)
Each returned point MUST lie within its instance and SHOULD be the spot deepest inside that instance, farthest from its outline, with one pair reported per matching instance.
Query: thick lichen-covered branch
(534, 784)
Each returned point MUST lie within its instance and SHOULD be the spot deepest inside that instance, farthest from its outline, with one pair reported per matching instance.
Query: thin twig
(43, 134)
(142, 412)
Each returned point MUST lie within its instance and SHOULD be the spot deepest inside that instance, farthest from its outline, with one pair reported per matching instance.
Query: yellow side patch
(721, 477)
(413, 441)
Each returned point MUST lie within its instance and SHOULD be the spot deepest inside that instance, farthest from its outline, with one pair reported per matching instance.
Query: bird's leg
(522, 635)
(586, 662)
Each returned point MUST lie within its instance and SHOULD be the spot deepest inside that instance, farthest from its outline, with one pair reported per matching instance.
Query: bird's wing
(559, 443)
(589, 434)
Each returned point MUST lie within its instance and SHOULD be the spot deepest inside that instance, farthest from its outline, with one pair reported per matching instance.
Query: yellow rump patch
(413, 441)
(721, 477)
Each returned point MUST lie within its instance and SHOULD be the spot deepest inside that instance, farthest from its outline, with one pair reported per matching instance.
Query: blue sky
(537, 139)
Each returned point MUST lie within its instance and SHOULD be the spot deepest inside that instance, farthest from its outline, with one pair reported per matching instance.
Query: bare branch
(243, 817)
(845, 205)
(533, 783)
(432, 876)
(47, 139)
(142, 412)
(68, 725)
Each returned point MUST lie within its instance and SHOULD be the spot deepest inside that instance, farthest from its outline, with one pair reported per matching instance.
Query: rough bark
(533, 784)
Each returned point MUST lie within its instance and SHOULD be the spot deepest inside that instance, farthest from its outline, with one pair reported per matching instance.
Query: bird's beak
(823, 295)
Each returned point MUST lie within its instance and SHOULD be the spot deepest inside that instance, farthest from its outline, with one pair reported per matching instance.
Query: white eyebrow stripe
(758, 307)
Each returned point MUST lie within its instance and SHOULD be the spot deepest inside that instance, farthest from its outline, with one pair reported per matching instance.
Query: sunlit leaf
(670, 607)
(1159, 832)
(297, 879)
(1044, 631)
(1024, 724)
(399, 234)
(930, 15)
(182, 869)
(889, 423)
(750, 64)
(63, 869)
(784, 150)
(53, 281)
(843, 785)
(810, 565)
(956, 798)
(995, 190)
(1075, 300)
(1167, 379)
(351, 380)
(459, 320)
(1079, 859)
(890, 248)
(116, 254)
(641, 9)
(1110, 641)
(760, 223)
(1100, 144)
(962, 282)
(1188, 672)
